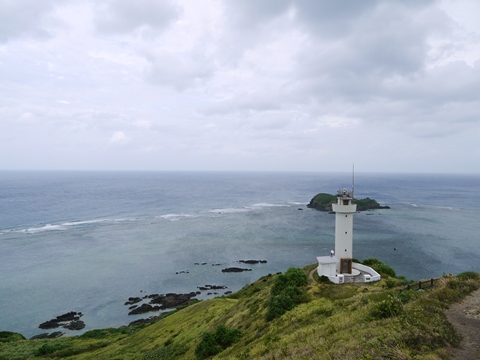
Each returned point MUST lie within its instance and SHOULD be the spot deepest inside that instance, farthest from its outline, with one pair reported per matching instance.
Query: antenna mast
(353, 180)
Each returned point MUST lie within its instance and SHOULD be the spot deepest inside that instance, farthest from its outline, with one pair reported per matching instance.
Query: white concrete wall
(349, 209)
(374, 275)
(326, 269)
(343, 231)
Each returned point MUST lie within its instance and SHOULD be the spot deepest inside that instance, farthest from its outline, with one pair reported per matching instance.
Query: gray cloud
(179, 71)
(21, 18)
(238, 84)
(123, 16)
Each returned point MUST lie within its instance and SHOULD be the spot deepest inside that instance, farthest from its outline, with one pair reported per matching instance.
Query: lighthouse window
(346, 215)
(345, 232)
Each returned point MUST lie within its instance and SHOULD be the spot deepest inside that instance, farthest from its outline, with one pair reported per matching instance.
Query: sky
(230, 85)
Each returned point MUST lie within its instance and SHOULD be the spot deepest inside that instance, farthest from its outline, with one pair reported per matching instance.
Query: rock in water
(235, 269)
(75, 325)
(50, 324)
(144, 308)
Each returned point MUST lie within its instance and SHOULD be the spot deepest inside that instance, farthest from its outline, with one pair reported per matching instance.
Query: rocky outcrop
(144, 308)
(211, 287)
(171, 301)
(70, 321)
(235, 269)
(150, 320)
(159, 302)
(74, 325)
(53, 335)
(133, 300)
(253, 261)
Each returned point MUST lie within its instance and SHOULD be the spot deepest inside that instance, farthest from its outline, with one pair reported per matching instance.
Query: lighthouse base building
(339, 267)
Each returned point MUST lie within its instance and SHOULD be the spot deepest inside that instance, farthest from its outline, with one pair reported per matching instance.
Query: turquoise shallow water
(73, 241)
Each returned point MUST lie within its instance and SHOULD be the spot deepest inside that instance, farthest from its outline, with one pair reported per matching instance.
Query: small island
(324, 201)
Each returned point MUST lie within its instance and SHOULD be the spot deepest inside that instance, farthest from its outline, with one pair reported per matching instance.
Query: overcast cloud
(240, 85)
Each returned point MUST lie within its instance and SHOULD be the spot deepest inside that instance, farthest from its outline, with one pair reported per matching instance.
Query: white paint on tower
(344, 210)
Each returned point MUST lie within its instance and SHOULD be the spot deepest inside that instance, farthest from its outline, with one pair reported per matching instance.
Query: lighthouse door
(345, 266)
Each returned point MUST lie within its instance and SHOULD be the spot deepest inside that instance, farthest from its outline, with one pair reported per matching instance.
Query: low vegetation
(214, 342)
(288, 291)
(324, 201)
(319, 321)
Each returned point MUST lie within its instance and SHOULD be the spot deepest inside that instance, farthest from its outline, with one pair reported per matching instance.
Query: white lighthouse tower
(344, 210)
(339, 266)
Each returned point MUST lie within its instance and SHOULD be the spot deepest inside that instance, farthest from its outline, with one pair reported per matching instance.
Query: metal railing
(425, 284)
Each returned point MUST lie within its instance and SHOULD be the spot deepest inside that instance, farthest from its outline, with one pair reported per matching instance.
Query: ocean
(87, 241)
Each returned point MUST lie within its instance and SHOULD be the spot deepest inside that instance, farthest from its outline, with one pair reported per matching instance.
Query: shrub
(292, 278)
(390, 283)
(390, 307)
(324, 279)
(426, 326)
(48, 349)
(379, 266)
(103, 333)
(324, 309)
(168, 352)
(406, 295)
(213, 343)
(226, 337)
(461, 286)
(467, 275)
(207, 347)
(371, 261)
(385, 270)
(7, 336)
(279, 305)
(296, 277)
(286, 293)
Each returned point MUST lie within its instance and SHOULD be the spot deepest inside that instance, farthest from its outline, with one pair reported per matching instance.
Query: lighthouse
(339, 267)
(344, 210)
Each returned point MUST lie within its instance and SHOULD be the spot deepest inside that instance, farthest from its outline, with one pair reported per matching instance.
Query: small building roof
(327, 259)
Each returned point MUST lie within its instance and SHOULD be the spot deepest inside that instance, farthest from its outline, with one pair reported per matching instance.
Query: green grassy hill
(319, 321)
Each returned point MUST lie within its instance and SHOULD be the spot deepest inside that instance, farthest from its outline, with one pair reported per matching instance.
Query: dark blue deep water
(87, 241)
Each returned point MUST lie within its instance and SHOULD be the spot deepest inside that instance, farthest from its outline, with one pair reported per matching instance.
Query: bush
(324, 279)
(379, 267)
(296, 277)
(461, 286)
(103, 333)
(292, 278)
(371, 261)
(385, 270)
(286, 293)
(168, 352)
(426, 326)
(467, 275)
(213, 343)
(386, 308)
(48, 349)
(390, 283)
(7, 336)
(324, 309)
(407, 295)
(208, 346)
(279, 305)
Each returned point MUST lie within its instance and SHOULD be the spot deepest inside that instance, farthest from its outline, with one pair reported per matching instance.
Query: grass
(357, 321)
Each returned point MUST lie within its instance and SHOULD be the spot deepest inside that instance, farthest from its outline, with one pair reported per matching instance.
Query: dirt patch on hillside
(465, 317)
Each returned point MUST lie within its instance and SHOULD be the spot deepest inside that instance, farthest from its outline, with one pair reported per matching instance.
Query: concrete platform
(355, 272)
